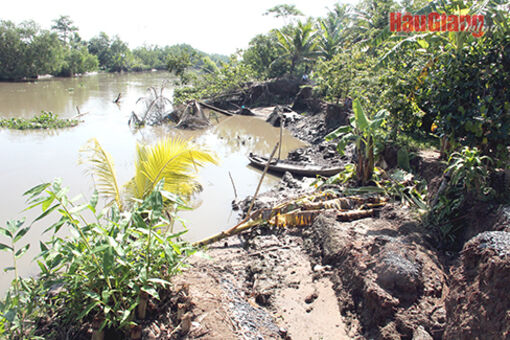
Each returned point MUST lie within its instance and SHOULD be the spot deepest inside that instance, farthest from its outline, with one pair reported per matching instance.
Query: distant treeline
(27, 50)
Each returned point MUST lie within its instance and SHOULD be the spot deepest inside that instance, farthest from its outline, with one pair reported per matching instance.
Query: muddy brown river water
(28, 158)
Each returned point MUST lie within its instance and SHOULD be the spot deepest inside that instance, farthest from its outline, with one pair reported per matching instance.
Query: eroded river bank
(359, 267)
(34, 157)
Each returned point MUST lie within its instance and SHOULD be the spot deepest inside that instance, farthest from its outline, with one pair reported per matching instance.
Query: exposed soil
(386, 276)
(264, 287)
(376, 278)
(478, 306)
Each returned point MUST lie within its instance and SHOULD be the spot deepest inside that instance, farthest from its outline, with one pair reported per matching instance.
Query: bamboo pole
(248, 216)
(227, 233)
(262, 178)
(281, 133)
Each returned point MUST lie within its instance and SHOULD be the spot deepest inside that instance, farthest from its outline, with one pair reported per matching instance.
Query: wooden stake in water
(281, 133)
(233, 185)
(262, 178)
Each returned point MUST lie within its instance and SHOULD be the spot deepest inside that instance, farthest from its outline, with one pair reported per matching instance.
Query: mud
(386, 277)
(376, 278)
(276, 290)
(478, 306)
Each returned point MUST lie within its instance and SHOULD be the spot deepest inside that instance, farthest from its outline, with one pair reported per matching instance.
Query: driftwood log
(210, 107)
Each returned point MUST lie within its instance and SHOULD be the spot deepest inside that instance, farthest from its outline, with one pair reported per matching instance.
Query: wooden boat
(296, 168)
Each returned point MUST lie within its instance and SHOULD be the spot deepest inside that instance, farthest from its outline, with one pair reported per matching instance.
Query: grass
(46, 120)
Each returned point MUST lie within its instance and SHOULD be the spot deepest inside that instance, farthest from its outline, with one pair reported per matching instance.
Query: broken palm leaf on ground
(301, 212)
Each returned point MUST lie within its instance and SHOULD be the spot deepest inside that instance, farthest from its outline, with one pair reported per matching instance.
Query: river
(29, 158)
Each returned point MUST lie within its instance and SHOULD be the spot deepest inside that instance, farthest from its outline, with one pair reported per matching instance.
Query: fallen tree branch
(199, 113)
(216, 109)
(292, 219)
(79, 114)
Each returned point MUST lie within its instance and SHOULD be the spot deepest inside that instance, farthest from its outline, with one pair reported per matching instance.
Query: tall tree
(284, 11)
(263, 55)
(26, 51)
(64, 27)
(100, 46)
(333, 30)
(299, 44)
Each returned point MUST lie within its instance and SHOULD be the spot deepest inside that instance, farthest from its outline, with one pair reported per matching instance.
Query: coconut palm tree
(299, 44)
(174, 161)
(332, 31)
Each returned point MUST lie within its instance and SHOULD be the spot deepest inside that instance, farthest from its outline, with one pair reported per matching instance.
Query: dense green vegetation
(228, 77)
(107, 270)
(112, 264)
(448, 89)
(27, 51)
(445, 86)
(46, 120)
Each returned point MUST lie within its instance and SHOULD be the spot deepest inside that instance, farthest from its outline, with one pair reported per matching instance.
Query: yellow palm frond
(173, 160)
(100, 165)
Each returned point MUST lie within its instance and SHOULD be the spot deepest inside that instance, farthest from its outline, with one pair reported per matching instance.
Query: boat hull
(295, 168)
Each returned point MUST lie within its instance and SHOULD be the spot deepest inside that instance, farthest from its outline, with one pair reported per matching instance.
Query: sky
(220, 26)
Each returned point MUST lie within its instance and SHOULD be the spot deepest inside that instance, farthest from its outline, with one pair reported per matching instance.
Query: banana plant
(366, 134)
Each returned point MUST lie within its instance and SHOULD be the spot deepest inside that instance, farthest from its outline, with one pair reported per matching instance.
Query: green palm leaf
(172, 160)
(101, 166)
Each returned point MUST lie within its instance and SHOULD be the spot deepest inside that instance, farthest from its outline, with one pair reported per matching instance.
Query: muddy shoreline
(375, 278)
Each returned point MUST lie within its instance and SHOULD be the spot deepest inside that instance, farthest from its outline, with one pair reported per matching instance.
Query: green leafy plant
(299, 45)
(46, 120)
(171, 160)
(366, 134)
(465, 182)
(469, 169)
(110, 268)
(400, 184)
(17, 305)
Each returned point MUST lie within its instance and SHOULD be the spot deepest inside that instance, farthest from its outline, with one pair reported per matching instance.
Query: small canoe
(295, 168)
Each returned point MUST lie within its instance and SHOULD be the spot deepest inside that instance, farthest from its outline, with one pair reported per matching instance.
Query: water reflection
(31, 157)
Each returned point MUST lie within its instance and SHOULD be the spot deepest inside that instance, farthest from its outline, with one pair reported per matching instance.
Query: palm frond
(171, 160)
(100, 165)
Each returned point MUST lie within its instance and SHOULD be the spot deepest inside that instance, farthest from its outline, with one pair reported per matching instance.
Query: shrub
(107, 270)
